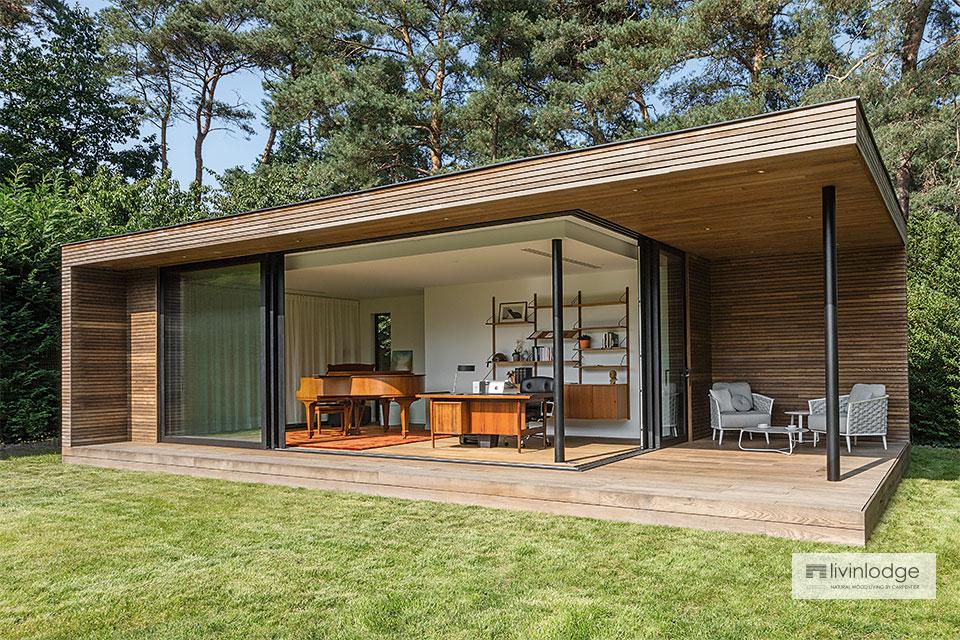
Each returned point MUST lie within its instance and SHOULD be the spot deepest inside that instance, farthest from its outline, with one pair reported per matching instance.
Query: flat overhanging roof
(745, 187)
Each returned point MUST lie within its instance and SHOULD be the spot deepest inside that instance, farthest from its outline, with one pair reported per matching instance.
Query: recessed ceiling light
(635, 190)
(707, 228)
(760, 171)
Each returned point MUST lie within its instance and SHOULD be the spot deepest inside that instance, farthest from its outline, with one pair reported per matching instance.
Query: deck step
(558, 492)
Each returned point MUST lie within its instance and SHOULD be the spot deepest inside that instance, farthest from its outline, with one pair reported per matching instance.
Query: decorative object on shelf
(585, 341)
(518, 351)
(401, 360)
(456, 376)
(547, 334)
(512, 312)
(613, 376)
(500, 357)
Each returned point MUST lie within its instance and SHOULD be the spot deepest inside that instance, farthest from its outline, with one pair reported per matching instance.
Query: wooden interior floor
(581, 453)
(697, 485)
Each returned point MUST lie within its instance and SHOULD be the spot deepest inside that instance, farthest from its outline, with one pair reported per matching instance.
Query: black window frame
(272, 411)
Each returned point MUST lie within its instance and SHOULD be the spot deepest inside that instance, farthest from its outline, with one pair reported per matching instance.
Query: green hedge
(36, 219)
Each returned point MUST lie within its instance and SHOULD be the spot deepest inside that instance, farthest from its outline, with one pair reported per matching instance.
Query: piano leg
(358, 407)
(405, 414)
(385, 414)
(346, 420)
(308, 408)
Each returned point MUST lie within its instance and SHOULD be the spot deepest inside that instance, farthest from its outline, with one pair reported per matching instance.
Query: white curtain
(318, 332)
(214, 354)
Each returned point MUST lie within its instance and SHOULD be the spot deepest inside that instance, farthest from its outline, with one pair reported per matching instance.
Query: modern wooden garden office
(710, 248)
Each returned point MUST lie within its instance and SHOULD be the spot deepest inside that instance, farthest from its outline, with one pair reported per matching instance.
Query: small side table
(796, 417)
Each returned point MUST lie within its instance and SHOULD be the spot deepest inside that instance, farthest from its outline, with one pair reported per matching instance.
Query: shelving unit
(619, 405)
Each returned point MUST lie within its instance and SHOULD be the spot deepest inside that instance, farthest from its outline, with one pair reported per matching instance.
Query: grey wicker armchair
(754, 409)
(863, 412)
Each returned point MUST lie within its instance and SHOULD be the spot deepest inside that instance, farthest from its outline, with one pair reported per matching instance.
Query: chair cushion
(867, 392)
(738, 389)
(818, 422)
(740, 419)
(724, 399)
(742, 403)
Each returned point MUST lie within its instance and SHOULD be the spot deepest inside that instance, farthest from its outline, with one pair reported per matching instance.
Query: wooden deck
(697, 485)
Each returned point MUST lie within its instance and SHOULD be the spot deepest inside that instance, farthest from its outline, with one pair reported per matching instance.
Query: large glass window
(213, 353)
(673, 352)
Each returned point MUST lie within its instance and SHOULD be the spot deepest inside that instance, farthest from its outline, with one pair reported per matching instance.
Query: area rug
(368, 439)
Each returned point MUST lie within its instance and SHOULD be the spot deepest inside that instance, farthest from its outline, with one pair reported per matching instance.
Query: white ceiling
(359, 272)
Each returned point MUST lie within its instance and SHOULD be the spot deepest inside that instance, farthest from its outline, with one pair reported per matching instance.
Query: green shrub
(36, 219)
(933, 310)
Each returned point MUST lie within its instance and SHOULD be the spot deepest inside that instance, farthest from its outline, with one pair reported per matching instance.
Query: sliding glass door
(213, 342)
(663, 339)
(673, 348)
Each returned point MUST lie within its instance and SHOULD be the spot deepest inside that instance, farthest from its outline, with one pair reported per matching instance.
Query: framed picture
(401, 360)
(512, 312)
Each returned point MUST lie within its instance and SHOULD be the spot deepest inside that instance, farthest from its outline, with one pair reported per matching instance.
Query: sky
(222, 150)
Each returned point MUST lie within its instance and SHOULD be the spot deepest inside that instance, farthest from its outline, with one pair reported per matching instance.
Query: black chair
(540, 408)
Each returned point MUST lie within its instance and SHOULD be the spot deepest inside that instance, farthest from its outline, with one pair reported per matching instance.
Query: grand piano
(358, 387)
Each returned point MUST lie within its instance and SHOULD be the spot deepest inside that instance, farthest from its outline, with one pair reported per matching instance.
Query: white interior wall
(455, 333)
(406, 332)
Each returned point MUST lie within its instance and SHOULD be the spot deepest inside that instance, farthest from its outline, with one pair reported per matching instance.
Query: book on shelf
(542, 353)
(611, 340)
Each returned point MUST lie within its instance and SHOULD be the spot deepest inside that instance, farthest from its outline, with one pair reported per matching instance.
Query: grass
(89, 553)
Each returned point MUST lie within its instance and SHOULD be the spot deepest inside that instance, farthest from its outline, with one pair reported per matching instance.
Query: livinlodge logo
(835, 576)
(816, 571)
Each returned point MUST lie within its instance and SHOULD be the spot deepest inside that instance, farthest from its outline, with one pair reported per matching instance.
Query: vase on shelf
(585, 342)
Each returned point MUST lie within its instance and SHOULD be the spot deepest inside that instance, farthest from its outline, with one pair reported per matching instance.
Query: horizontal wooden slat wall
(498, 192)
(699, 348)
(142, 321)
(767, 327)
(95, 365)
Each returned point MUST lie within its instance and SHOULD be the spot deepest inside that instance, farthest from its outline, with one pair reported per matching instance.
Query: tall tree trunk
(915, 23)
(165, 116)
(164, 125)
(198, 158)
(644, 108)
(436, 115)
(268, 148)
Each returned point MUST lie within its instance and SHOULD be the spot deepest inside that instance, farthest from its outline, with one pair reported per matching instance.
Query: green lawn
(87, 553)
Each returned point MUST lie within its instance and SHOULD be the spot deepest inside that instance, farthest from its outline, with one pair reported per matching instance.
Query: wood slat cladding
(142, 316)
(699, 344)
(95, 363)
(767, 327)
(612, 181)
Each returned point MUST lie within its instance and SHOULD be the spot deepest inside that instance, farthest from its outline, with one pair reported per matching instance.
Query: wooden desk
(480, 414)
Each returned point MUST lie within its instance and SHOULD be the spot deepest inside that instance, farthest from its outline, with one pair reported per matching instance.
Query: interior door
(673, 348)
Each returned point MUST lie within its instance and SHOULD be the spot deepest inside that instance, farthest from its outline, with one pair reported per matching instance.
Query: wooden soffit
(747, 186)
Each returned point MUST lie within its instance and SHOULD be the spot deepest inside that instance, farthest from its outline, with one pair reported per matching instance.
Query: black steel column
(559, 454)
(831, 348)
(272, 374)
